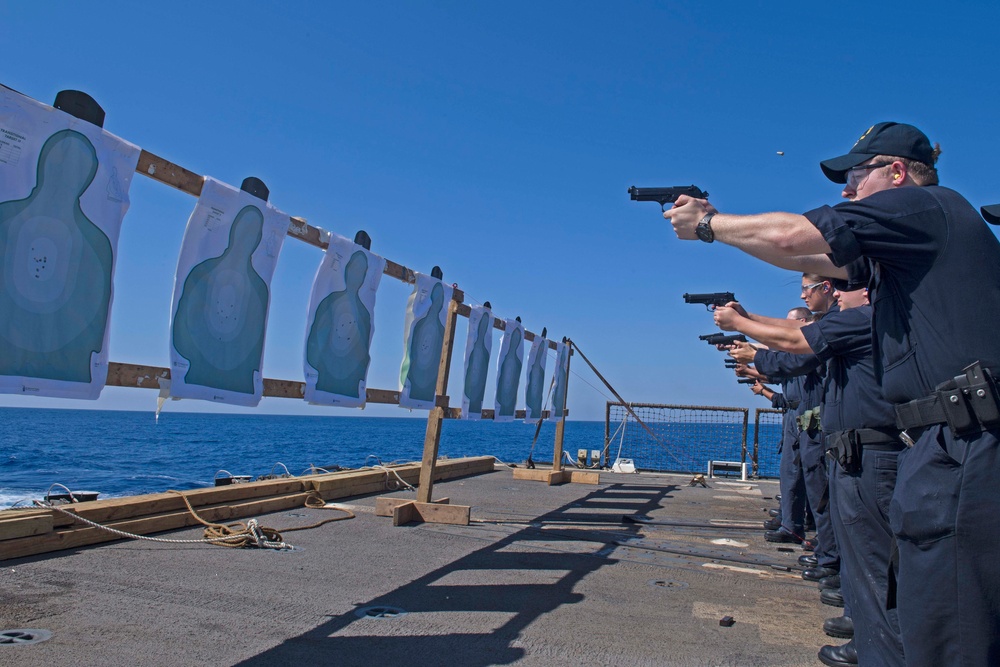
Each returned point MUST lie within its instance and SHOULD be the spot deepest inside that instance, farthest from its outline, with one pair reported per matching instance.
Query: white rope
(509, 465)
(389, 483)
(253, 529)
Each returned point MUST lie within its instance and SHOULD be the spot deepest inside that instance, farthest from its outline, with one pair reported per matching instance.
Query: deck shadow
(522, 602)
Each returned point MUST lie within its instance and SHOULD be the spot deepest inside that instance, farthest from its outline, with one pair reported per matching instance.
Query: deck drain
(23, 636)
(667, 583)
(379, 612)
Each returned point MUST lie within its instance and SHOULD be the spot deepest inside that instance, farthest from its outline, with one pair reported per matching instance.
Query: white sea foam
(10, 496)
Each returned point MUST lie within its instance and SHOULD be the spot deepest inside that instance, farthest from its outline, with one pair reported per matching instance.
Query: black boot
(839, 626)
(839, 656)
(831, 597)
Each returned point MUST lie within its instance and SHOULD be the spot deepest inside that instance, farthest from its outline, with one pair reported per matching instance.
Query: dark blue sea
(129, 453)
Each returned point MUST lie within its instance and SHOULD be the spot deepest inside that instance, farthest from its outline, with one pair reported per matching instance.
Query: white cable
(254, 530)
(501, 462)
(406, 485)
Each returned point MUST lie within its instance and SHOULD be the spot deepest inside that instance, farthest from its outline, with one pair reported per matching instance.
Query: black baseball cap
(896, 139)
(842, 285)
(991, 213)
(858, 275)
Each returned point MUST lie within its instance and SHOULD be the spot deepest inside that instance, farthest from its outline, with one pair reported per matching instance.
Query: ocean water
(129, 453)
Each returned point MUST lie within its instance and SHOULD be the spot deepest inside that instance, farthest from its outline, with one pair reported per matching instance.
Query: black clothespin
(80, 105)
(518, 318)
(256, 187)
(363, 240)
(487, 305)
(544, 332)
(436, 272)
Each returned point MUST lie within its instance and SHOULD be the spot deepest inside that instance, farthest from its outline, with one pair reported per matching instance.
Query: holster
(809, 420)
(969, 401)
(846, 448)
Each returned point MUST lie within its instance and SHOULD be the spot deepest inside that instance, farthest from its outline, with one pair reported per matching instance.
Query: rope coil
(250, 534)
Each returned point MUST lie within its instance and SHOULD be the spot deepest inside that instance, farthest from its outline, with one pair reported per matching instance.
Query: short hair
(921, 172)
(816, 278)
(800, 313)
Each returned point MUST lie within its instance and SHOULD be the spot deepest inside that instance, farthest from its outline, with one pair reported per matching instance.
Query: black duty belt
(887, 440)
(919, 413)
(967, 404)
(847, 447)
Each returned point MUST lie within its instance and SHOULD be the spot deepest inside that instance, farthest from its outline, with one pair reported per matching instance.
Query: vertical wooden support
(436, 416)
(561, 424)
(557, 475)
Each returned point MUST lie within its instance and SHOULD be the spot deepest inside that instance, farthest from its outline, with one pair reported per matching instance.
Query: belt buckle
(907, 440)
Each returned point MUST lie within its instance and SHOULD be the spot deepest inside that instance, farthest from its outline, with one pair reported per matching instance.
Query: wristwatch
(704, 229)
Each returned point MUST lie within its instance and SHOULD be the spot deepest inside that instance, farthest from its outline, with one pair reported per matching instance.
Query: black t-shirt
(935, 285)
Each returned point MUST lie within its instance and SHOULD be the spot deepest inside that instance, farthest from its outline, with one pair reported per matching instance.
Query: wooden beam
(550, 477)
(79, 535)
(153, 513)
(553, 477)
(134, 375)
(561, 424)
(148, 377)
(385, 505)
(465, 310)
(175, 176)
(170, 174)
(411, 511)
(432, 439)
(23, 523)
(582, 476)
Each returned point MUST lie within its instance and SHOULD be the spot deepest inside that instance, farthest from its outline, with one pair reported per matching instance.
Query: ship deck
(544, 575)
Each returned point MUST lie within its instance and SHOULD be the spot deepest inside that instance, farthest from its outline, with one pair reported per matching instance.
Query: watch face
(704, 232)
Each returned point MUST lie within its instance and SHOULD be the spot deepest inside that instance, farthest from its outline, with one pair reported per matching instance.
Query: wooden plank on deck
(23, 523)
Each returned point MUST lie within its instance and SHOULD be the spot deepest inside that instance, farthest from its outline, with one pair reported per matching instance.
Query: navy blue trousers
(860, 509)
(790, 479)
(945, 513)
(817, 483)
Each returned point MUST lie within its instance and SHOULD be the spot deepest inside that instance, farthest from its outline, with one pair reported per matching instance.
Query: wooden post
(557, 475)
(561, 424)
(437, 414)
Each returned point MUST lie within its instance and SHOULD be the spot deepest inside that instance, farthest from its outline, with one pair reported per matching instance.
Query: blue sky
(498, 140)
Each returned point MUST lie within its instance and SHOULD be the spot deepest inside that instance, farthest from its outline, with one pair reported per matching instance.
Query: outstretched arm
(763, 319)
(777, 337)
(787, 240)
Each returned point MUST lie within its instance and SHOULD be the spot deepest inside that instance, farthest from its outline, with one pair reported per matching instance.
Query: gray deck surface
(543, 576)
